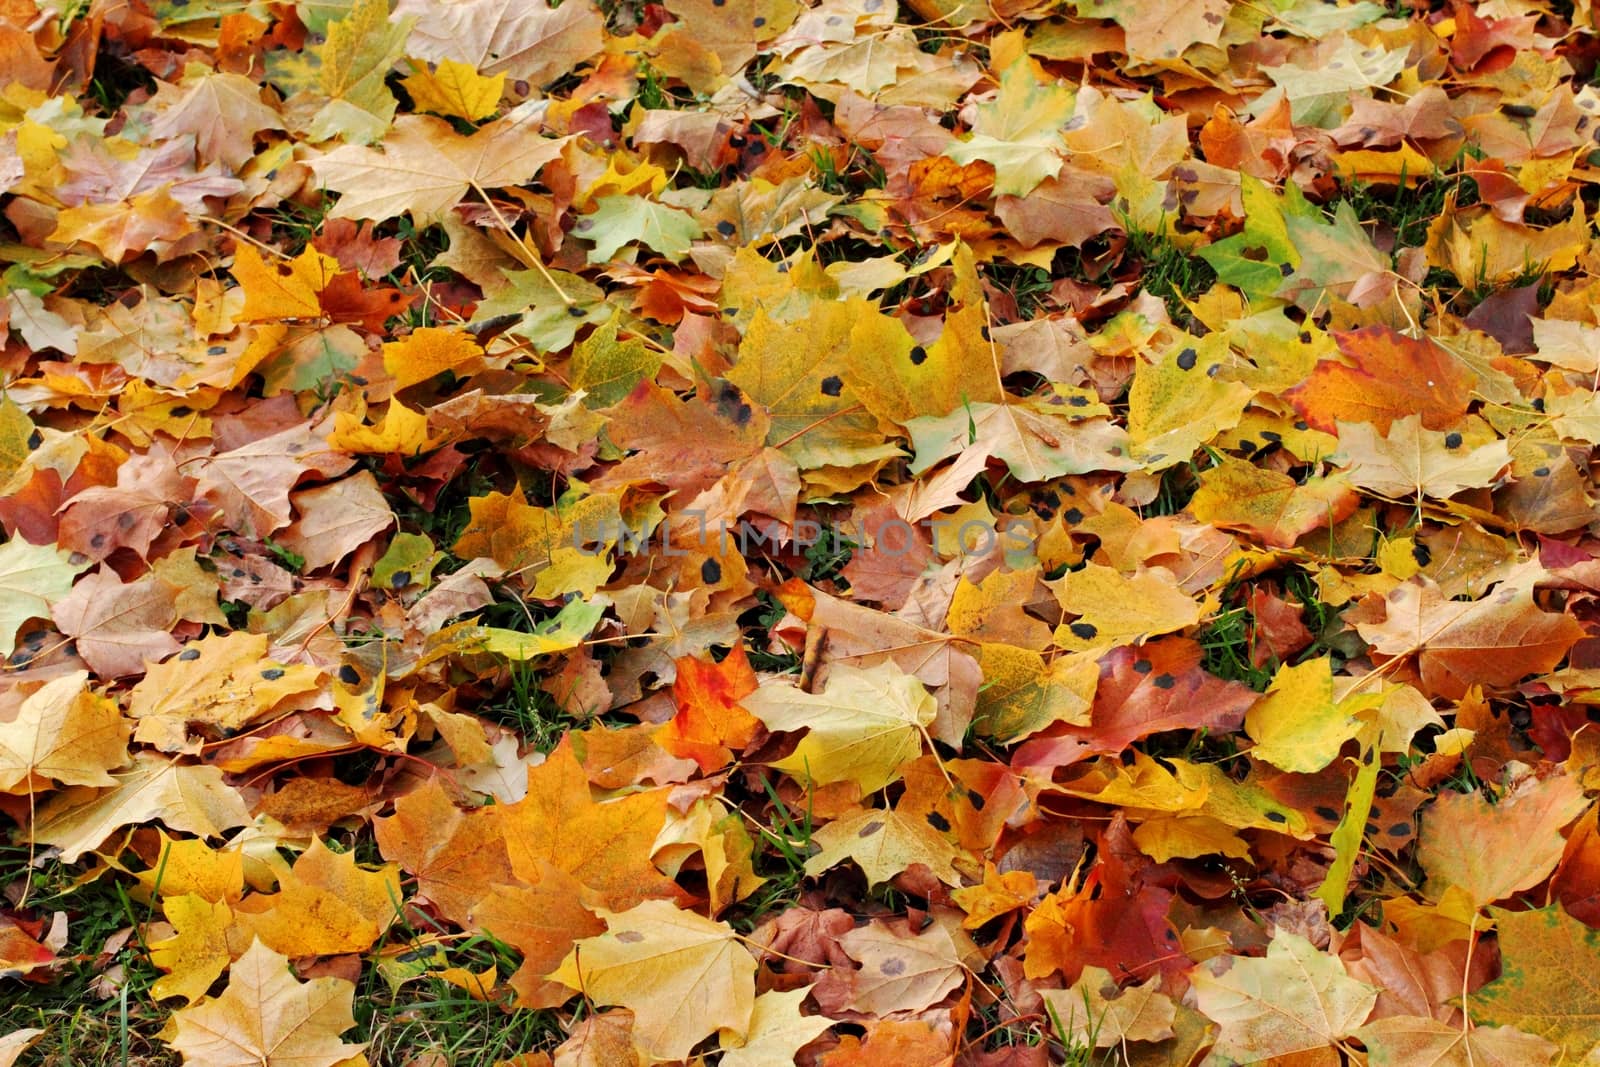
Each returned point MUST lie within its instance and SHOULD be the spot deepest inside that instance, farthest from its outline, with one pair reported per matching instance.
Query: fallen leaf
(684, 977)
(265, 1017)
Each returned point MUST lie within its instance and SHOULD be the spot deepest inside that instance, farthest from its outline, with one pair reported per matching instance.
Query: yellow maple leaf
(455, 89)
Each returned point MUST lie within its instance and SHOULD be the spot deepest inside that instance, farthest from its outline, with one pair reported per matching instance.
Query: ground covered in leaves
(843, 532)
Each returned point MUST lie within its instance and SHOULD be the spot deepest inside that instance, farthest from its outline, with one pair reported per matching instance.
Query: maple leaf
(34, 578)
(777, 1030)
(119, 626)
(1180, 401)
(1112, 607)
(1427, 1042)
(324, 906)
(1019, 131)
(65, 733)
(425, 167)
(455, 90)
(710, 719)
(199, 949)
(357, 55)
(1297, 725)
(457, 857)
(183, 796)
(683, 976)
(624, 220)
(1095, 1012)
(533, 43)
(265, 1017)
(1546, 985)
(1155, 687)
(222, 111)
(1296, 1000)
(1493, 641)
(900, 970)
(884, 843)
(1410, 461)
(1037, 440)
(1469, 843)
(604, 845)
(1388, 377)
(860, 728)
(1241, 496)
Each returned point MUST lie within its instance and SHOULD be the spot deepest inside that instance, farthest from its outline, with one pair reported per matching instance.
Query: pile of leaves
(843, 532)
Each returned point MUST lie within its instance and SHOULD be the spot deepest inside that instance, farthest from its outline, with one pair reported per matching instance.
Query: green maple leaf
(625, 220)
(1253, 260)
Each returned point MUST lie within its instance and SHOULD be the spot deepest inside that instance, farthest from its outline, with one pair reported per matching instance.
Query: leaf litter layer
(756, 532)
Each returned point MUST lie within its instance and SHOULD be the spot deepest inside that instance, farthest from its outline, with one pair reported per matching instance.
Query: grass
(89, 1020)
(1167, 271)
(827, 556)
(411, 1017)
(1029, 286)
(530, 710)
(757, 624)
(1408, 213)
(1228, 641)
(787, 833)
